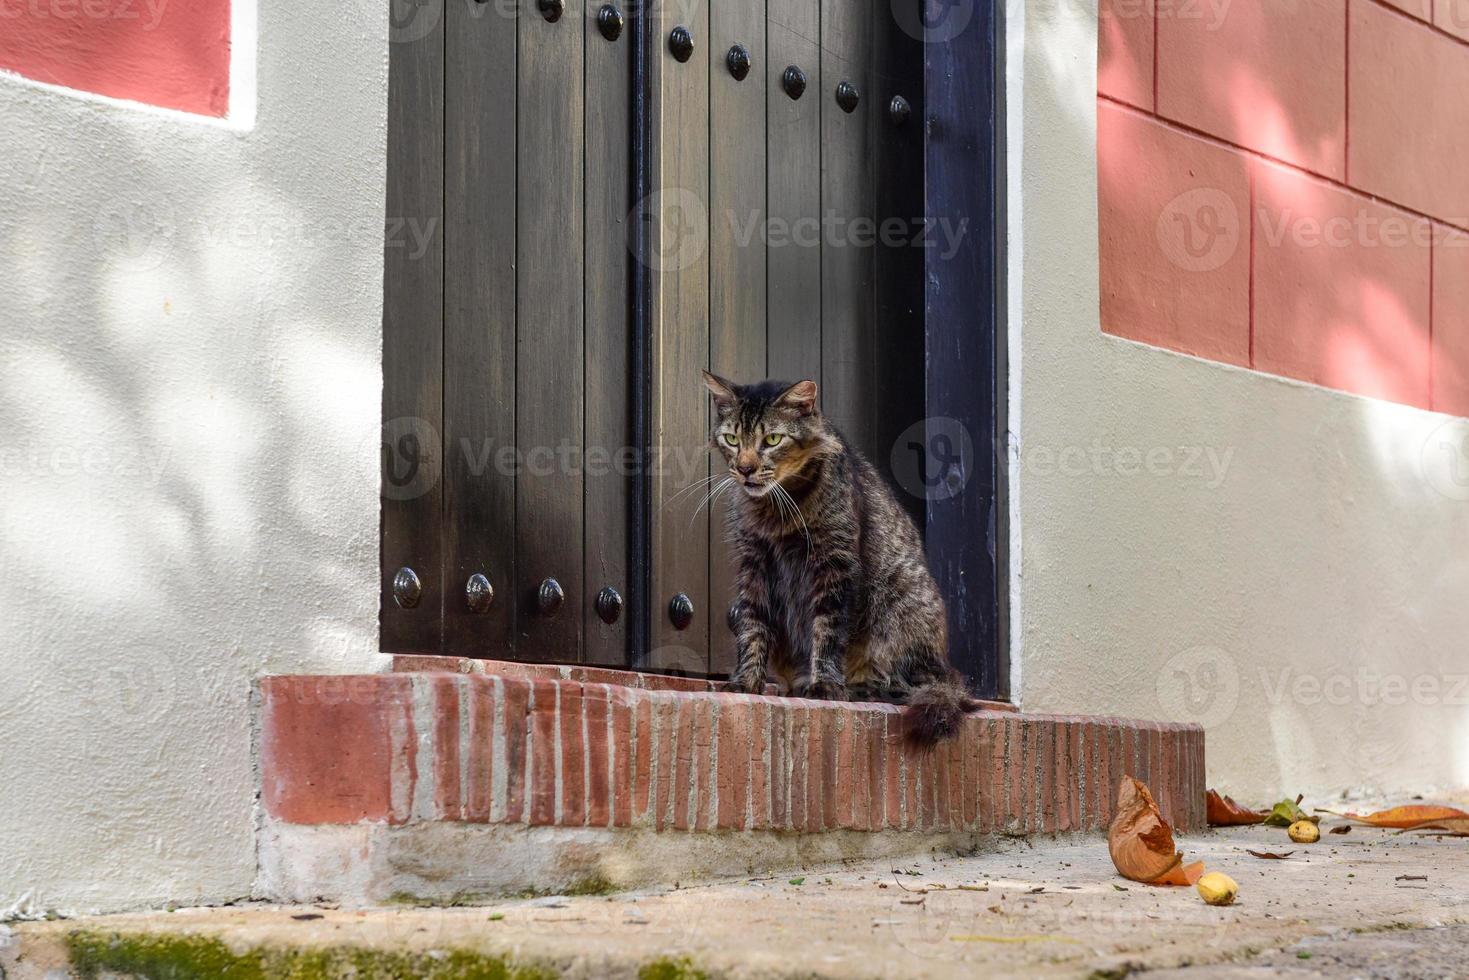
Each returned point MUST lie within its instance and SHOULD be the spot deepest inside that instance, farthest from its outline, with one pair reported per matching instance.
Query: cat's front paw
(824, 690)
(747, 682)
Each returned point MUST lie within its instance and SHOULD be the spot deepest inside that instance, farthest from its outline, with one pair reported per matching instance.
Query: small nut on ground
(1218, 888)
(1304, 832)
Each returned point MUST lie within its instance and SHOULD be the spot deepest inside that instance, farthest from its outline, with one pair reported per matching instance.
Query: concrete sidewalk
(1042, 908)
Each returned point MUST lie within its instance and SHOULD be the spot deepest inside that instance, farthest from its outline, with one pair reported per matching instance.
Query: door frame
(964, 304)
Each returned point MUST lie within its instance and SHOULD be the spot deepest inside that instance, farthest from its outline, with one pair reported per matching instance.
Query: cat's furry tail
(936, 710)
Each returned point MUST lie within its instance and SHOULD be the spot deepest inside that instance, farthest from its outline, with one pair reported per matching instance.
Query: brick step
(447, 784)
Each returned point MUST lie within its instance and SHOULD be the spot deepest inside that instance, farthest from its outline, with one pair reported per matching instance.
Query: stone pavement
(1364, 904)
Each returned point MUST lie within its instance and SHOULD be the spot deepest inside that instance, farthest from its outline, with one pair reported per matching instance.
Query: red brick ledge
(438, 747)
(415, 663)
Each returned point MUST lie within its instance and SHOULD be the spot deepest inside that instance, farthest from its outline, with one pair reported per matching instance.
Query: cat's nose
(744, 469)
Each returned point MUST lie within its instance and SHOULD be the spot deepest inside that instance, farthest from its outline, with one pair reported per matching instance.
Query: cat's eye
(730, 439)
(774, 439)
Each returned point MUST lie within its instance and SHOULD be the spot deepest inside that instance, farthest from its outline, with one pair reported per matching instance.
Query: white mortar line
(423, 725)
(499, 756)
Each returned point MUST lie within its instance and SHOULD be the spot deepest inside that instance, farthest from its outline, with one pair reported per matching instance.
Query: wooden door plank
(678, 343)
(607, 335)
(737, 258)
(848, 372)
(549, 324)
(794, 191)
(897, 341)
(479, 326)
(413, 351)
(964, 300)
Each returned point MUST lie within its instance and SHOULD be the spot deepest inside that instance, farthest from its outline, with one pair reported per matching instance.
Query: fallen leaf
(1141, 842)
(1344, 828)
(1411, 878)
(1403, 817)
(1287, 812)
(1447, 828)
(798, 881)
(911, 901)
(307, 916)
(1269, 855)
(1224, 812)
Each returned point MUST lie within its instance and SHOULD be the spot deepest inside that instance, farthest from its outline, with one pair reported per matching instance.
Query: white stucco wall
(189, 417)
(1298, 586)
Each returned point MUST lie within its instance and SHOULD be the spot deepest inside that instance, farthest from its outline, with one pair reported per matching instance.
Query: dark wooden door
(507, 343)
(781, 168)
(616, 203)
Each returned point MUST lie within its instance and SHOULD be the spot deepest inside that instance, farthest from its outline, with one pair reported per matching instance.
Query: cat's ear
(722, 390)
(800, 396)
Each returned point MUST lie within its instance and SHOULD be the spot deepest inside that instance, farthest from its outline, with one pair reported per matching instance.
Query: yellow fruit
(1304, 832)
(1218, 888)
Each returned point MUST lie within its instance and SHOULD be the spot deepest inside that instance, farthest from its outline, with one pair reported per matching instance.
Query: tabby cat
(834, 593)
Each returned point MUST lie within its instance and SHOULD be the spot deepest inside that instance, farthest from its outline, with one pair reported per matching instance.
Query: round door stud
(848, 97)
(610, 22)
(479, 594)
(549, 597)
(681, 44)
(551, 9)
(681, 611)
(738, 62)
(609, 605)
(793, 80)
(899, 110)
(407, 589)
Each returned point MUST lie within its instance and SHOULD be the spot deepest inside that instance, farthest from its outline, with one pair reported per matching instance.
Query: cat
(834, 590)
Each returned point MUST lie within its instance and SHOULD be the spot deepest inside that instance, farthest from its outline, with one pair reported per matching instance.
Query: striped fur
(835, 596)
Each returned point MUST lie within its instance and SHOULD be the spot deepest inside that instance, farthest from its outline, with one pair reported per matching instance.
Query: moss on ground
(671, 969)
(182, 957)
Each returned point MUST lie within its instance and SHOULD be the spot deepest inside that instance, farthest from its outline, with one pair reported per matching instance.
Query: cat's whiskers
(793, 506)
(696, 485)
(719, 488)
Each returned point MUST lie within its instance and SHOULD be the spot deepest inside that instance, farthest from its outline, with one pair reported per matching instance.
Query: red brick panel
(1265, 75)
(343, 750)
(1125, 51)
(1409, 117)
(174, 55)
(1452, 16)
(1174, 237)
(1451, 321)
(337, 749)
(1341, 288)
(1422, 9)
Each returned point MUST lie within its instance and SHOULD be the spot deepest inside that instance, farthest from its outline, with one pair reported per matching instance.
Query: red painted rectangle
(169, 53)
